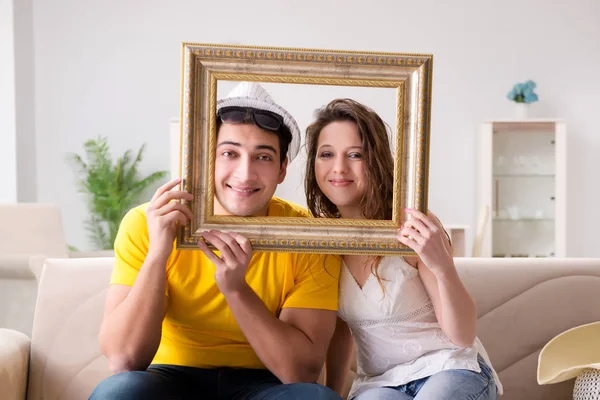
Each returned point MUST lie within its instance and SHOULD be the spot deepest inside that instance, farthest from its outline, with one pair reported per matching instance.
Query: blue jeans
(171, 382)
(452, 384)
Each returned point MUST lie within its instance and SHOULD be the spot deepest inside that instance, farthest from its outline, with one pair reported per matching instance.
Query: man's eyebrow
(258, 147)
(229, 142)
(266, 147)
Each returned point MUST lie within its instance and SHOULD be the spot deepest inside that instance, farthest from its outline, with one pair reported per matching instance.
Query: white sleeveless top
(398, 338)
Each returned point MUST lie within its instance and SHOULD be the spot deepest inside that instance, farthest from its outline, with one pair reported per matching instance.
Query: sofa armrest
(14, 364)
(36, 265)
(17, 266)
(92, 254)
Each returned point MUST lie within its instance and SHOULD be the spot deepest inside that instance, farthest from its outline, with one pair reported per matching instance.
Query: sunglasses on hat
(263, 119)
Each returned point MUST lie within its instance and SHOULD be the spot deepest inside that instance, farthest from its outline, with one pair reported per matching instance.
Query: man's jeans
(162, 382)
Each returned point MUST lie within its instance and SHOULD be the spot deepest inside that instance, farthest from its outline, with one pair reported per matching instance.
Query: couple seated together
(237, 324)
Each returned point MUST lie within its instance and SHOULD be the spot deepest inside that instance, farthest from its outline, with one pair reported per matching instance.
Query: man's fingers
(243, 242)
(164, 188)
(209, 253)
(174, 206)
(181, 218)
(223, 247)
(231, 243)
(170, 196)
(176, 216)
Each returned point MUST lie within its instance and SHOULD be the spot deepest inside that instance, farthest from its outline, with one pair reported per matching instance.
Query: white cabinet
(522, 188)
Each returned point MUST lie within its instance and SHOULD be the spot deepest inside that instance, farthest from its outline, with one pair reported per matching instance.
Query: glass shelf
(523, 255)
(523, 175)
(524, 219)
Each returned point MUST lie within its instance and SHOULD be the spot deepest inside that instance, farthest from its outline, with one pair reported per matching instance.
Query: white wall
(113, 68)
(17, 134)
(24, 101)
(301, 101)
(8, 131)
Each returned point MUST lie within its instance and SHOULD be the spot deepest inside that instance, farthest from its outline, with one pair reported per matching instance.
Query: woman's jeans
(452, 384)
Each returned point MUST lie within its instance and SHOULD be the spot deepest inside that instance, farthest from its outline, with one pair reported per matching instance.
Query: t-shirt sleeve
(131, 247)
(315, 283)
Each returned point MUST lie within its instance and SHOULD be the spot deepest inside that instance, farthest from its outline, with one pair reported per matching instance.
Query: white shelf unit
(522, 185)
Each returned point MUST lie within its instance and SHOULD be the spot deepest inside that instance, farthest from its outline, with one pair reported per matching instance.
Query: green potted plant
(112, 188)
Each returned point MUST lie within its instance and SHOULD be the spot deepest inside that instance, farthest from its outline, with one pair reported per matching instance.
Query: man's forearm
(459, 313)
(130, 334)
(280, 346)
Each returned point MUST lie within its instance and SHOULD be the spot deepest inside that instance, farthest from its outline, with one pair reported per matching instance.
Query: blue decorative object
(523, 93)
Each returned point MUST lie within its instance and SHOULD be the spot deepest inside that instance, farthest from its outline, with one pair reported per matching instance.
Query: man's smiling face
(247, 170)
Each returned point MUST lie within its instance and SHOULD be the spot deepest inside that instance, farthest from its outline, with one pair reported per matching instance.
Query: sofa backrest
(32, 228)
(522, 304)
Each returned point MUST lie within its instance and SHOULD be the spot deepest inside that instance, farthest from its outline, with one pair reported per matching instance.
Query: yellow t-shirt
(199, 329)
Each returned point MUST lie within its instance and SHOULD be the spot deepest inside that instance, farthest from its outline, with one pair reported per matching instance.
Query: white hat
(251, 94)
(569, 353)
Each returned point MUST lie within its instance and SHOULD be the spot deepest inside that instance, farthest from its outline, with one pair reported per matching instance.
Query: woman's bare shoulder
(412, 261)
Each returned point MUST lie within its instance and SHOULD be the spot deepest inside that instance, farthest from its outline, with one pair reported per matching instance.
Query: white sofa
(522, 304)
(29, 233)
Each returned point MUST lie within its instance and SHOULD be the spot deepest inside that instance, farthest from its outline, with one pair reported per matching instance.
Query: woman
(412, 320)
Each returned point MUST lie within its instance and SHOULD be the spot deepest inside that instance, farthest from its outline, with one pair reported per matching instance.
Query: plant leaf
(111, 187)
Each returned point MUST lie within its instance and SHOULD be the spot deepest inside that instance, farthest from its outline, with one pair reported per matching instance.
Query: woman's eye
(355, 155)
(325, 154)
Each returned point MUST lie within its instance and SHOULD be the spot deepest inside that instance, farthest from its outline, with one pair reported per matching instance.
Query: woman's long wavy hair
(376, 203)
(376, 153)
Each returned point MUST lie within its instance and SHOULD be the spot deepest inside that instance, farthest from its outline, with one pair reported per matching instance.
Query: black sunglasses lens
(267, 121)
(233, 116)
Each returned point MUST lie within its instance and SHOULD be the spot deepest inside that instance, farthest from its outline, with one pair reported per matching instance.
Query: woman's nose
(339, 165)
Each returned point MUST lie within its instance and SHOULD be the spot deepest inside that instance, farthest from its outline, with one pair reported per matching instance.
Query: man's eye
(265, 158)
(228, 154)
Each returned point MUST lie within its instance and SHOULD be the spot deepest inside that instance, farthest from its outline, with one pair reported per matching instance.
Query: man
(233, 325)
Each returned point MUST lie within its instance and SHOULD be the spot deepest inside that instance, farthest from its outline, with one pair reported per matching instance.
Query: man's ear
(283, 170)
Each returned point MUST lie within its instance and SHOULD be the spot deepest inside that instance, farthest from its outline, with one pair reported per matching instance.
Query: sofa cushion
(66, 362)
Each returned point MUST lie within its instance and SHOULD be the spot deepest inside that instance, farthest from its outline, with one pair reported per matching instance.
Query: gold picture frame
(203, 65)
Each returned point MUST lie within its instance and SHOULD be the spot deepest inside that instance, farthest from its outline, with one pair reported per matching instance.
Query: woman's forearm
(339, 358)
(459, 313)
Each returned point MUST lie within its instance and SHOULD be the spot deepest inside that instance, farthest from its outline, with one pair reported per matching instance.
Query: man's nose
(246, 170)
